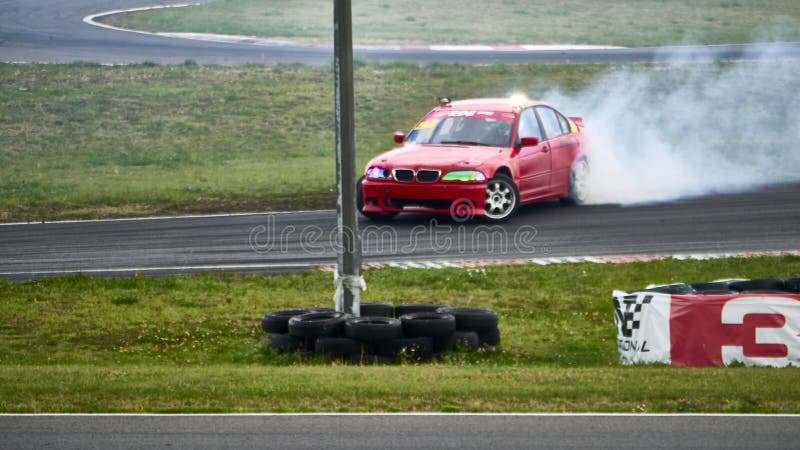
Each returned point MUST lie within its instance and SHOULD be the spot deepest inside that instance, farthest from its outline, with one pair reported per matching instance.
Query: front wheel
(578, 183)
(360, 205)
(502, 198)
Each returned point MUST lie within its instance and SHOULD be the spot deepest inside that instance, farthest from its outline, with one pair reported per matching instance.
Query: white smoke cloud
(679, 130)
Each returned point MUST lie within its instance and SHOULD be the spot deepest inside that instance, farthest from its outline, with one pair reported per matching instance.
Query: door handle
(545, 149)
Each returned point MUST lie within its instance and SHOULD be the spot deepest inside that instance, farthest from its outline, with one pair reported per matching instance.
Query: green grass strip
(86, 141)
(193, 343)
(607, 22)
(404, 388)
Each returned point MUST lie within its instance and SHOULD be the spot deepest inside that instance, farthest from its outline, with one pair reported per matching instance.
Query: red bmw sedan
(480, 157)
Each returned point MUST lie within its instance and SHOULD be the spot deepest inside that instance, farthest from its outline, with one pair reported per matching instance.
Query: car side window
(565, 129)
(528, 125)
(550, 123)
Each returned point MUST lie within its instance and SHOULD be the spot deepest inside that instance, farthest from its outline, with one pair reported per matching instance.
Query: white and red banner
(759, 329)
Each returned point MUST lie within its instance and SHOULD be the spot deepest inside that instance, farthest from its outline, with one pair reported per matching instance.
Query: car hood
(415, 156)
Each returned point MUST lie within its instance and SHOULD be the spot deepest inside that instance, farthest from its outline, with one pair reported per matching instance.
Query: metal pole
(348, 267)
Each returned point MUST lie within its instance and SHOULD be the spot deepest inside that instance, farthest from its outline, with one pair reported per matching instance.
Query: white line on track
(254, 40)
(189, 216)
(165, 268)
(92, 18)
(406, 264)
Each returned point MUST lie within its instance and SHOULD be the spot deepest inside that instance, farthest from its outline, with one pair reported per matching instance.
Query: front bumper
(436, 198)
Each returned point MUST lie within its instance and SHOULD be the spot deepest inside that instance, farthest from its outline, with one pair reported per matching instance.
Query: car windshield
(464, 128)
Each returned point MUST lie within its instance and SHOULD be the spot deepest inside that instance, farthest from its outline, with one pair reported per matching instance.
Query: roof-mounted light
(519, 99)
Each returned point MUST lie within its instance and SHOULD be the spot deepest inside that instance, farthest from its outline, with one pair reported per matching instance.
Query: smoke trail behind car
(679, 130)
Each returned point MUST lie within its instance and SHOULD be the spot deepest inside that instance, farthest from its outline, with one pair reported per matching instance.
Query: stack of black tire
(383, 333)
(762, 285)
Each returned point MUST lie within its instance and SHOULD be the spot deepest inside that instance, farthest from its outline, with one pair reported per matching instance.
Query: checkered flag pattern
(629, 312)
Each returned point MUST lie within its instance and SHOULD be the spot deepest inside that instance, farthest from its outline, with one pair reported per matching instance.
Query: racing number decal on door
(768, 331)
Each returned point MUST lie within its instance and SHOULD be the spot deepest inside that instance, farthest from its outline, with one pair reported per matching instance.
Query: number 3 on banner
(770, 336)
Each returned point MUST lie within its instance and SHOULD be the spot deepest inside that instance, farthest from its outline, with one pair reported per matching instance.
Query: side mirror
(529, 141)
(399, 137)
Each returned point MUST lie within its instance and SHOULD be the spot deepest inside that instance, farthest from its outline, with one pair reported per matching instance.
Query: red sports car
(481, 157)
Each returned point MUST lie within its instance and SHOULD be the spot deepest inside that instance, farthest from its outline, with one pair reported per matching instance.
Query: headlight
(464, 175)
(379, 173)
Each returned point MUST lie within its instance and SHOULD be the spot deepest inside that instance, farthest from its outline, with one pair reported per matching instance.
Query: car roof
(494, 104)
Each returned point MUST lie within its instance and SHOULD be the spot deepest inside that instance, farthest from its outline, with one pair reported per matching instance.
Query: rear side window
(550, 123)
(528, 125)
(564, 123)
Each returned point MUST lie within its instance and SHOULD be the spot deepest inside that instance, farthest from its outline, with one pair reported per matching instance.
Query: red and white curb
(421, 264)
(615, 259)
(92, 19)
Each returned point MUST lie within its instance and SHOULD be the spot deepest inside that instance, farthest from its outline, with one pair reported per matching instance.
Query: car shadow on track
(527, 214)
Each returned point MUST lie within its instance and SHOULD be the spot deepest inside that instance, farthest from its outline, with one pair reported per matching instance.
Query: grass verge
(86, 141)
(193, 344)
(609, 22)
(82, 141)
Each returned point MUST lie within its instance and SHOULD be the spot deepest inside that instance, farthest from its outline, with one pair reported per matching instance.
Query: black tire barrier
(472, 319)
(677, 288)
(317, 324)
(373, 328)
(776, 285)
(416, 336)
(418, 349)
(278, 322)
(383, 309)
(792, 284)
(491, 337)
(761, 285)
(340, 347)
(466, 340)
(712, 287)
(411, 308)
(285, 342)
(428, 324)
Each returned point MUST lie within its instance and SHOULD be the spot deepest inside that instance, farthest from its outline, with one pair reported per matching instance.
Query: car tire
(428, 324)
(419, 348)
(499, 189)
(472, 319)
(340, 347)
(383, 309)
(278, 321)
(317, 324)
(377, 217)
(491, 338)
(373, 328)
(467, 340)
(284, 342)
(411, 308)
(761, 285)
(577, 183)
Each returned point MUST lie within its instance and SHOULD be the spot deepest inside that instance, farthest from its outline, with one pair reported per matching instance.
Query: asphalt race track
(767, 220)
(54, 31)
(347, 432)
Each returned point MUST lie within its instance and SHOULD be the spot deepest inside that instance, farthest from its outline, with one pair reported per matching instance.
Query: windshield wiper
(467, 143)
